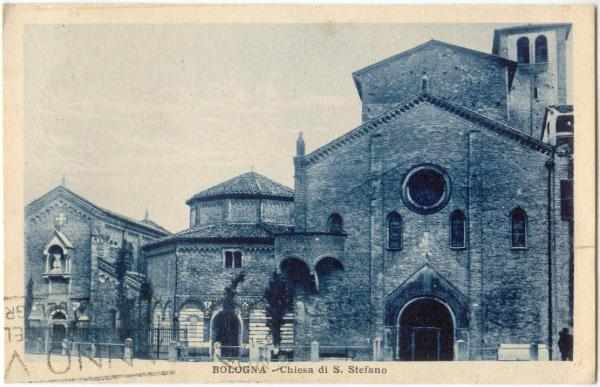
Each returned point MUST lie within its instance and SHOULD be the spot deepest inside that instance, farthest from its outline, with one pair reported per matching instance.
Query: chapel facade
(84, 271)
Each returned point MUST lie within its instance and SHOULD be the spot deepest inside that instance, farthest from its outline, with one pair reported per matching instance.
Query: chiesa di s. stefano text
(440, 228)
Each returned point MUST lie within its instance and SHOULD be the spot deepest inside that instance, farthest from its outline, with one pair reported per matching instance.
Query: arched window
(335, 224)
(457, 229)
(541, 49)
(518, 219)
(523, 50)
(233, 259)
(394, 231)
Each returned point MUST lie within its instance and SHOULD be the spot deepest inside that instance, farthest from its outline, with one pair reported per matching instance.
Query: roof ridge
(414, 100)
(424, 44)
(218, 232)
(490, 122)
(365, 127)
(103, 210)
(248, 183)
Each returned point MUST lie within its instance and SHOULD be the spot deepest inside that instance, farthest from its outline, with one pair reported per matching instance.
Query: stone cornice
(199, 249)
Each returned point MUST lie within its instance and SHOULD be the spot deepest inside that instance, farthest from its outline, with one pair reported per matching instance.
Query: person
(565, 344)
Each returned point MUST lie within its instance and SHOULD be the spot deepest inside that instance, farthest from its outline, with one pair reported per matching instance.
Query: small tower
(540, 51)
(300, 146)
(300, 185)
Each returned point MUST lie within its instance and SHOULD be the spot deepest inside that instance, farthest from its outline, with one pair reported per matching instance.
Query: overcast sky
(142, 117)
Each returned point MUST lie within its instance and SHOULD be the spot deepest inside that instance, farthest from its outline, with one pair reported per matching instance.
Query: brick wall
(243, 210)
(201, 269)
(40, 230)
(508, 286)
(80, 223)
(474, 81)
(209, 212)
(275, 211)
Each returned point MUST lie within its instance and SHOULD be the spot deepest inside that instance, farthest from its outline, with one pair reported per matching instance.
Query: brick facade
(470, 78)
(469, 119)
(84, 291)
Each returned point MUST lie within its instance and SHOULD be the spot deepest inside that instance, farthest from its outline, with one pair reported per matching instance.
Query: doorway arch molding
(427, 283)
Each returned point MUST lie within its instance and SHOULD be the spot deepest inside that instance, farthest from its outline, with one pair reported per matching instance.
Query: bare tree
(279, 301)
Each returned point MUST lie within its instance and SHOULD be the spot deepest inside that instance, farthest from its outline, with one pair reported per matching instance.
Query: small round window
(426, 189)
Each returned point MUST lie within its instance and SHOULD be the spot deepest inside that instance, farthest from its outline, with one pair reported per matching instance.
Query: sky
(141, 117)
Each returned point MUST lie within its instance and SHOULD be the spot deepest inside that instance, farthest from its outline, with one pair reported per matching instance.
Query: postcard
(299, 194)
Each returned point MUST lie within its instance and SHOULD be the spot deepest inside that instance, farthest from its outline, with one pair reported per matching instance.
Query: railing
(349, 352)
(166, 343)
(106, 342)
(154, 342)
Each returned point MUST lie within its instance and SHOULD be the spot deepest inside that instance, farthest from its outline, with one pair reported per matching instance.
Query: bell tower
(541, 53)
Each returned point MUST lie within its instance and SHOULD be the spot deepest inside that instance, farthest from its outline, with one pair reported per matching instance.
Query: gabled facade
(72, 247)
(445, 177)
(430, 183)
(474, 79)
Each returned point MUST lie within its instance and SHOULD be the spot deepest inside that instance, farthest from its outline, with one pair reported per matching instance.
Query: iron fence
(103, 342)
(165, 342)
(348, 352)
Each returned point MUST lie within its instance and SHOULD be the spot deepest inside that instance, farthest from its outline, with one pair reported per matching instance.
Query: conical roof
(250, 184)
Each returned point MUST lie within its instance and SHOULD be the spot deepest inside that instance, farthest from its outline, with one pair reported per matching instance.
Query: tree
(122, 265)
(279, 301)
(231, 291)
(145, 302)
(28, 301)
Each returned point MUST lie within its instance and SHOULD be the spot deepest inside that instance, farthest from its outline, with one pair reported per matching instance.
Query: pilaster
(476, 269)
(377, 233)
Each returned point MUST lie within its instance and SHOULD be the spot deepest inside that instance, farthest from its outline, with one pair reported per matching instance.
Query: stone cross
(60, 220)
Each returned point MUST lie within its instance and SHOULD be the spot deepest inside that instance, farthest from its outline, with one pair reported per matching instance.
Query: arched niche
(298, 273)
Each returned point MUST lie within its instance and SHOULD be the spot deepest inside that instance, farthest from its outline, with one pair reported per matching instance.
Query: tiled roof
(225, 231)
(511, 64)
(152, 223)
(247, 184)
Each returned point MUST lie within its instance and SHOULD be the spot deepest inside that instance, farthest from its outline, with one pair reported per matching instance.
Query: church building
(74, 282)
(440, 227)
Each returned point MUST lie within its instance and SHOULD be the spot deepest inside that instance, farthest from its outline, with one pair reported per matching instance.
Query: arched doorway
(58, 329)
(226, 330)
(426, 331)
